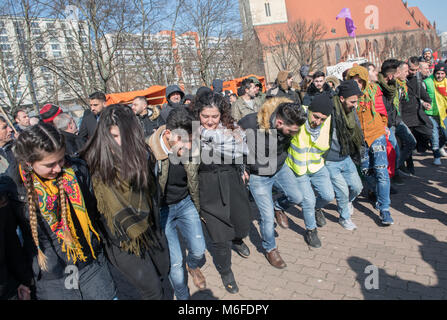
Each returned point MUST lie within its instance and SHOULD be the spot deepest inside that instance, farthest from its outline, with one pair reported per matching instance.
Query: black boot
(312, 238)
(229, 282)
(241, 248)
(319, 217)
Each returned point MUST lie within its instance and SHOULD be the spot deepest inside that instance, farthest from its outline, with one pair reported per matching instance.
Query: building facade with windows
(384, 29)
(28, 48)
(168, 57)
(444, 45)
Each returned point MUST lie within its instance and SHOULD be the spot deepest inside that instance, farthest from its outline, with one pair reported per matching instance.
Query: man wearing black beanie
(346, 145)
(306, 160)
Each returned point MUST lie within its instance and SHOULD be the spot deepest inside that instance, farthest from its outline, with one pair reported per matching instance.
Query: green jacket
(240, 108)
(163, 167)
(430, 86)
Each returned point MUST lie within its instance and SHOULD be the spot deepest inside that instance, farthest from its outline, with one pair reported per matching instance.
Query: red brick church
(385, 28)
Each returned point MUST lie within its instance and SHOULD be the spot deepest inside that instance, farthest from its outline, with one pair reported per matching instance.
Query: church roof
(392, 16)
(420, 18)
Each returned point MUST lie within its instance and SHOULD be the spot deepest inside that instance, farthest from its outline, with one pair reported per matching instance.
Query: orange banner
(155, 95)
(232, 85)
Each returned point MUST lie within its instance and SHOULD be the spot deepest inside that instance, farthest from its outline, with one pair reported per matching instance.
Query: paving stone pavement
(410, 256)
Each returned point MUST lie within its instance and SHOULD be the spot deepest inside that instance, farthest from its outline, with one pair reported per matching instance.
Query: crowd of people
(141, 187)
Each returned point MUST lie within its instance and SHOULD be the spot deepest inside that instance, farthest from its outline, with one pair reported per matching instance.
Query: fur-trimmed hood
(334, 80)
(155, 112)
(312, 90)
(282, 79)
(267, 110)
(154, 143)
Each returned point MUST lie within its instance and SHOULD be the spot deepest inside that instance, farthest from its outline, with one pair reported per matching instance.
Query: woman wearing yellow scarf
(60, 237)
(436, 87)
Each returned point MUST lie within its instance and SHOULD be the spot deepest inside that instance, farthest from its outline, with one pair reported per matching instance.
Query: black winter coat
(13, 266)
(412, 112)
(8, 184)
(88, 125)
(73, 143)
(312, 92)
(224, 202)
(166, 110)
(150, 125)
(282, 142)
(279, 92)
(393, 116)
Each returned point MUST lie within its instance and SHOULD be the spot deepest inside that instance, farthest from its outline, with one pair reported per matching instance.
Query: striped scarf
(368, 100)
(402, 89)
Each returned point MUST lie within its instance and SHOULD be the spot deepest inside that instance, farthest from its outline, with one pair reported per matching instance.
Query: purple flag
(350, 27)
(344, 13)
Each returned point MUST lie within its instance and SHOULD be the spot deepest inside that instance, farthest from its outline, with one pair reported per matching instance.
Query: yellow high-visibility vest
(306, 156)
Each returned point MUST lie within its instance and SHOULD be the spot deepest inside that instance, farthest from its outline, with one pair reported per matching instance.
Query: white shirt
(163, 145)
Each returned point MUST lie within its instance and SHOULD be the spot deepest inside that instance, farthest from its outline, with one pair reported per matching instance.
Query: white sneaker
(351, 209)
(437, 162)
(442, 152)
(347, 224)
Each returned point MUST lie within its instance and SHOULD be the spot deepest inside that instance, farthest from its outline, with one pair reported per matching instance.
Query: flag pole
(356, 47)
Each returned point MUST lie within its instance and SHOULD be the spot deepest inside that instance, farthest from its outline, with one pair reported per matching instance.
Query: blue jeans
(261, 189)
(435, 134)
(183, 215)
(346, 183)
(374, 167)
(321, 183)
(407, 140)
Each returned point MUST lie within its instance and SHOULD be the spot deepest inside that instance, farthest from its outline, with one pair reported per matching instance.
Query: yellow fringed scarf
(50, 208)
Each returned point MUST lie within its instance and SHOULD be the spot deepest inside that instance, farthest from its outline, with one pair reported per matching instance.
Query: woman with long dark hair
(224, 202)
(118, 160)
(58, 219)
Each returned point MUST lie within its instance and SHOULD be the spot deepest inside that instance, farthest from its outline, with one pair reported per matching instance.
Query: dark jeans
(140, 271)
(408, 142)
(95, 283)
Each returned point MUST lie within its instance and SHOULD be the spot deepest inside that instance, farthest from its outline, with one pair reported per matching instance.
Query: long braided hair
(30, 147)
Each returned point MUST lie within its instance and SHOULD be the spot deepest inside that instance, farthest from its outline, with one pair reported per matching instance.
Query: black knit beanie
(322, 103)
(440, 67)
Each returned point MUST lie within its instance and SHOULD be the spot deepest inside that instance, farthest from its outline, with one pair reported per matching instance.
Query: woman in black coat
(127, 198)
(224, 202)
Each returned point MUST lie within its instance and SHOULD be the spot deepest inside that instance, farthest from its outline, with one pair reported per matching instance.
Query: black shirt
(177, 184)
